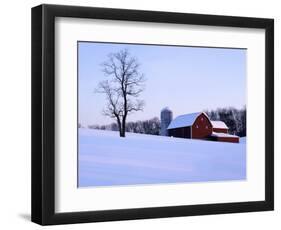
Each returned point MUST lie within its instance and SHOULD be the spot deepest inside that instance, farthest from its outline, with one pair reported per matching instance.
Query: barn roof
(184, 120)
(214, 134)
(219, 125)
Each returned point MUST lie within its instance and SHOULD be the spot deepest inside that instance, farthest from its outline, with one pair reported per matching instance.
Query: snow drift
(105, 159)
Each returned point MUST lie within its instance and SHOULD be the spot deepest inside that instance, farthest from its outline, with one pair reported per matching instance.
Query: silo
(166, 118)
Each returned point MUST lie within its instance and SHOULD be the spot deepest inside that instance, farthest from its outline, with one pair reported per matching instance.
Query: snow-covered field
(105, 159)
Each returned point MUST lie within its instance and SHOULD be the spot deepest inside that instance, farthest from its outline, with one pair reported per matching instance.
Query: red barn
(219, 127)
(199, 126)
(193, 125)
(223, 137)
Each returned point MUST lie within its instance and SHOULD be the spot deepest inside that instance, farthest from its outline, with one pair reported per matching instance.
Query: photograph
(141, 114)
(158, 114)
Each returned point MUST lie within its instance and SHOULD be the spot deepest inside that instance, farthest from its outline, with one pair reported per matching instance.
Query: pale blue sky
(186, 79)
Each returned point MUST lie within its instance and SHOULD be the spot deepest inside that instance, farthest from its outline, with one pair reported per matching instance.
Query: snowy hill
(106, 159)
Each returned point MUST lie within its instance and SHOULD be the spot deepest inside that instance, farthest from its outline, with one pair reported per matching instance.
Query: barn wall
(217, 130)
(183, 132)
(229, 139)
(202, 127)
(226, 139)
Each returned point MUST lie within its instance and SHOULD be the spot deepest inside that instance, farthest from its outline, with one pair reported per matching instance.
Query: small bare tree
(123, 87)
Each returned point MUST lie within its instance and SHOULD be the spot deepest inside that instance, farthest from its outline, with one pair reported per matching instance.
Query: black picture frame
(43, 114)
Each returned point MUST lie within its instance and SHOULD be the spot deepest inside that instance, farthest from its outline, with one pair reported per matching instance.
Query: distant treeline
(151, 126)
(234, 118)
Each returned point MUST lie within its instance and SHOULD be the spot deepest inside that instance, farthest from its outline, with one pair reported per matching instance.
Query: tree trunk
(123, 126)
(119, 127)
(122, 134)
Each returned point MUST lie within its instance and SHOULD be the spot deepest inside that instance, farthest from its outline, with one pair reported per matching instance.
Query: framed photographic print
(142, 114)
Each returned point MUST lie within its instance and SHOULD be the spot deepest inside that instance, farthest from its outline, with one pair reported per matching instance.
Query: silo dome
(166, 118)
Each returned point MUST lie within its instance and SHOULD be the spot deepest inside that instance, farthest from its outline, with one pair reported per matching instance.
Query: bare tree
(122, 88)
